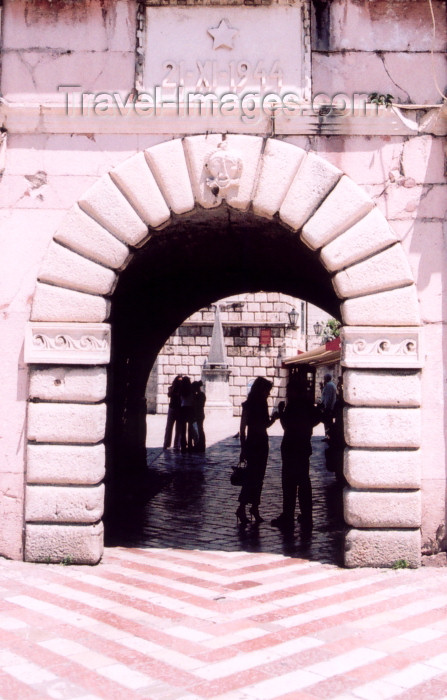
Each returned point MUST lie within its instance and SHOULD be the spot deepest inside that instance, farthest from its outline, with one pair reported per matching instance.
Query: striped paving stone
(173, 624)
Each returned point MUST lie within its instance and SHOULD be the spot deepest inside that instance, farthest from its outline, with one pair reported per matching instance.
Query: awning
(327, 354)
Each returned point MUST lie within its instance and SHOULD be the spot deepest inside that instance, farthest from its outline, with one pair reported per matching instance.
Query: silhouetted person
(254, 446)
(298, 417)
(335, 450)
(186, 415)
(173, 417)
(328, 398)
(199, 400)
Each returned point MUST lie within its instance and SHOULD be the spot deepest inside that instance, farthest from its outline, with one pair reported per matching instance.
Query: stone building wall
(257, 336)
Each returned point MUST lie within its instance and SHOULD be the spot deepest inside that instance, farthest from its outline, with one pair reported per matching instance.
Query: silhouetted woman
(186, 415)
(173, 417)
(199, 400)
(298, 417)
(254, 446)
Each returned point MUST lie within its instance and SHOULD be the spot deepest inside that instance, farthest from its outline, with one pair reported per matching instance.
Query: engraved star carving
(223, 35)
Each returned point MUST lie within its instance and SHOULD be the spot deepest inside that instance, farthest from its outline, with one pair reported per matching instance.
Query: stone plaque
(227, 53)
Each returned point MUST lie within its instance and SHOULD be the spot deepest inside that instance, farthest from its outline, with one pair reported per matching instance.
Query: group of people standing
(298, 416)
(186, 415)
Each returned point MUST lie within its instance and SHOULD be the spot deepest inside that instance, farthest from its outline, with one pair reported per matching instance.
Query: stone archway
(68, 338)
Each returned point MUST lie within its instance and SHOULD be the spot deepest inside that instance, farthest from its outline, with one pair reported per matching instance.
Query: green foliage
(331, 330)
(400, 564)
(378, 98)
(67, 561)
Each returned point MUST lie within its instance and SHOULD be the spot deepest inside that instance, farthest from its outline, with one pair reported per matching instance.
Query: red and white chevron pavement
(175, 624)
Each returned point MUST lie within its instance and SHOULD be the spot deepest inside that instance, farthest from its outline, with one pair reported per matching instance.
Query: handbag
(239, 473)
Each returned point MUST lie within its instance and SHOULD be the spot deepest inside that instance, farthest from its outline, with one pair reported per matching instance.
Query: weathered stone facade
(118, 223)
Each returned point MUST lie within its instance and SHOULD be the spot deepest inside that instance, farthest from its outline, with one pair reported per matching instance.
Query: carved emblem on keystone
(224, 168)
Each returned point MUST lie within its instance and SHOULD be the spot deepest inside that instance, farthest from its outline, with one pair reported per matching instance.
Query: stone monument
(216, 374)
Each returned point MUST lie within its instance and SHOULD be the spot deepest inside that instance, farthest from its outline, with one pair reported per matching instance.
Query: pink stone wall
(357, 47)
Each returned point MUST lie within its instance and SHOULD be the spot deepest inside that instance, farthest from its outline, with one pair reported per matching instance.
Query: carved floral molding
(67, 343)
(384, 347)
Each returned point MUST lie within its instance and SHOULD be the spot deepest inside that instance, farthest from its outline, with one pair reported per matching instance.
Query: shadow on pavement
(187, 502)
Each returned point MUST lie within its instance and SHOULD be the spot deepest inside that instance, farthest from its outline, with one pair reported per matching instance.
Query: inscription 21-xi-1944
(211, 75)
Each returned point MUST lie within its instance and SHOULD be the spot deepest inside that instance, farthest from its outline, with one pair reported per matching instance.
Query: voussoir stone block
(382, 388)
(382, 427)
(77, 544)
(342, 208)
(378, 509)
(368, 236)
(279, 165)
(135, 179)
(65, 464)
(385, 270)
(64, 504)
(87, 384)
(386, 469)
(52, 303)
(83, 234)
(395, 307)
(65, 268)
(168, 164)
(66, 422)
(105, 203)
(198, 149)
(382, 548)
(314, 179)
(249, 148)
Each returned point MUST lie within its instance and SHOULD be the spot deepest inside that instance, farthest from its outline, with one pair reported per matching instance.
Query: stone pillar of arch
(68, 338)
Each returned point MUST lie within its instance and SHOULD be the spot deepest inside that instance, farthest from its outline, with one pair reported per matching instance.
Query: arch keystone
(198, 149)
(250, 148)
(280, 162)
(135, 179)
(343, 207)
(105, 203)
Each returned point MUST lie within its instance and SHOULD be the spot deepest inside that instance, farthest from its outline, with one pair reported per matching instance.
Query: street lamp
(318, 327)
(293, 317)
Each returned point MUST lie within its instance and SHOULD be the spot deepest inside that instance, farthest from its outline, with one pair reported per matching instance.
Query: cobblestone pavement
(204, 610)
(190, 502)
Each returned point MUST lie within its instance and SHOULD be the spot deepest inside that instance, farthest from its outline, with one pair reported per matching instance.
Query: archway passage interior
(183, 267)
